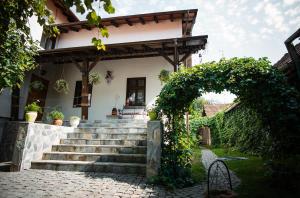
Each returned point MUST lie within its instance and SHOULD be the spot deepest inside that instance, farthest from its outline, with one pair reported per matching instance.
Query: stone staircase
(117, 146)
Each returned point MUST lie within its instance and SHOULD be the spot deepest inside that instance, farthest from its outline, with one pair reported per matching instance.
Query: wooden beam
(167, 58)
(128, 22)
(176, 55)
(93, 64)
(77, 65)
(85, 91)
(74, 29)
(155, 19)
(185, 56)
(114, 23)
(142, 20)
(63, 30)
(171, 17)
(86, 27)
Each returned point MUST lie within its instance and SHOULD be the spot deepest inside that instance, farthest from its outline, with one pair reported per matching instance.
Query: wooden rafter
(93, 64)
(171, 17)
(114, 23)
(155, 19)
(142, 20)
(128, 22)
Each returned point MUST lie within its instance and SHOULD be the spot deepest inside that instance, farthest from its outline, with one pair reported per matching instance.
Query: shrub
(33, 107)
(241, 128)
(56, 115)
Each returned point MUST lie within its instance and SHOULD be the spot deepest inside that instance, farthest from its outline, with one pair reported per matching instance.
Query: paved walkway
(46, 183)
(208, 157)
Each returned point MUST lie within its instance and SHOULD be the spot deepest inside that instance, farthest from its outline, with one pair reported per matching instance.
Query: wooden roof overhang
(188, 20)
(66, 11)
(164, 47)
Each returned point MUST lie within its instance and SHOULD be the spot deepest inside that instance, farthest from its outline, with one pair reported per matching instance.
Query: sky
(235, 28)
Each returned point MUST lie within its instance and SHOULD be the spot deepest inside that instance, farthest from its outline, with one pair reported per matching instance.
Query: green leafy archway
(257, 85)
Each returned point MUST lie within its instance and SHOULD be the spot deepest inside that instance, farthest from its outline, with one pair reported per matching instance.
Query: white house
(138, 48)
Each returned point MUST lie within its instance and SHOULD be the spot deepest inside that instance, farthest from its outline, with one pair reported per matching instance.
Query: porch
(134, 60)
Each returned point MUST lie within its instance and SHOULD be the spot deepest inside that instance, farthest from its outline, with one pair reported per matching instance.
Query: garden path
(209, 157)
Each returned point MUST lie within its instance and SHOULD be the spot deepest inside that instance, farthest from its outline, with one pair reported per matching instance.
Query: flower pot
(74, 122)
(114, 111)
(57, 122)
(31, 116)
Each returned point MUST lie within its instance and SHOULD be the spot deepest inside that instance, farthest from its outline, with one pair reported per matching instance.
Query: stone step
(100, 149)
(123, 136)
(119, 125)
(112, 129)
(97, 157)
(104, 142)
(90, 166)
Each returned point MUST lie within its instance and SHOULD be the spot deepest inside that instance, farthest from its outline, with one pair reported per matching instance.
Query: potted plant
(57, 117)
(152, 114)
(164, 75)
(37, 85)
(32, 112)
(61, 86)
(74, 121)
(94, 78)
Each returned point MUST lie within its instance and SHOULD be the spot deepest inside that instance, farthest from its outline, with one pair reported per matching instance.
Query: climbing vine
(257, 84)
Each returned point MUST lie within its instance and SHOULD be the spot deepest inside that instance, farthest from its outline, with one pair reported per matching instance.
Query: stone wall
(28, 141)
(3, 122)
(154, 140)
(8, 140)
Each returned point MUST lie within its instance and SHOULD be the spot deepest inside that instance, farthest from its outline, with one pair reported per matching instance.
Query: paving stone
(47, 183)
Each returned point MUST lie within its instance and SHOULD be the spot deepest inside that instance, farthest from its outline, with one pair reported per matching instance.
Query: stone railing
(154, 140)
(28, 141)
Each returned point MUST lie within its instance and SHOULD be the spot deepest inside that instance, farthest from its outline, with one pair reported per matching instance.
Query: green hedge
(240, 128)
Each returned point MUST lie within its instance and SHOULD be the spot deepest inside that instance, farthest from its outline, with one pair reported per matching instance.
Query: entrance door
(38, 92)
(136, 91)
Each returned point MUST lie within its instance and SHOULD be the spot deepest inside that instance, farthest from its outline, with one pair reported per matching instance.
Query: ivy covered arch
(257, 85)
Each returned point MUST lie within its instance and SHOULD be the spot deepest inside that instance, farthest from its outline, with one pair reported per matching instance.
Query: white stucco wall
(56, 12)
(103, 98)
(124, 33)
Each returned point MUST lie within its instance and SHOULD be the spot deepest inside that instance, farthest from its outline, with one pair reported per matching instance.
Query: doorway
(136, 91)
(38, 89)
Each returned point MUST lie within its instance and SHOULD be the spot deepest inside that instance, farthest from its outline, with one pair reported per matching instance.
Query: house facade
(137, 49)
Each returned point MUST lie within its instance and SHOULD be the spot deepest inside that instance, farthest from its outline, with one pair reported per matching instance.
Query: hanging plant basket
(37, 85)
(61, 86)
(94, 78)
(164, 76)
(109, 76)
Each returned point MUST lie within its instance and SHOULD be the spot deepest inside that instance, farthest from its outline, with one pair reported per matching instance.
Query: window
(77, 94)
(47, 42)
(136, 91)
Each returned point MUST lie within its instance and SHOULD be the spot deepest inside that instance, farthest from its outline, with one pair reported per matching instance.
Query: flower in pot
(74, 121)
(57, 117)
(94, 78)
(153, 115)
(164, 76)
(61, 86)
(32, 112)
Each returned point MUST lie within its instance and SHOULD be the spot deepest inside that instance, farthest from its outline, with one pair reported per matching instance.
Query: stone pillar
(154, 140)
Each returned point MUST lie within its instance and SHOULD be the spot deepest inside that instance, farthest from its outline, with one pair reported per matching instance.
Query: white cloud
(293, 11)
(274, 17)
(252, 20)
(290, 2)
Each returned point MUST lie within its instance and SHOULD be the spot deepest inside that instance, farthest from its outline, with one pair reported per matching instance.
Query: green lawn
(252, 171)
(198, 170)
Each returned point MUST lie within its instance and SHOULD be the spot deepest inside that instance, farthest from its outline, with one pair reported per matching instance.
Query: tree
(17, 49)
